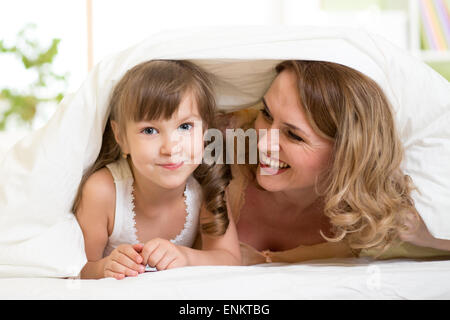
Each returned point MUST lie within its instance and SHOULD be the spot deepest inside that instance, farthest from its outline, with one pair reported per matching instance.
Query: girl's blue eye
(185, 127)
(150, 130)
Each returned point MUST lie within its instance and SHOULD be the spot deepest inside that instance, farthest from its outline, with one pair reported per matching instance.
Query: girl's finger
(128, 263)
(111, 274)
(165, 261)
(173, 264)
(131, 253)
(148, 249)
(138, 247)
(120, 268)
(156, 256)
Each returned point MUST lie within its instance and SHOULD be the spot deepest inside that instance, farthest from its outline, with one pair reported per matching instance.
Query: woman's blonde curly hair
(366, 194)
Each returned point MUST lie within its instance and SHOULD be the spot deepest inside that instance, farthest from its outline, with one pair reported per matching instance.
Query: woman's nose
(268, 141)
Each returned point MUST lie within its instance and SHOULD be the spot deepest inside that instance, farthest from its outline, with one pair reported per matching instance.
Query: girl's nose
(268, 141)
(170, 145)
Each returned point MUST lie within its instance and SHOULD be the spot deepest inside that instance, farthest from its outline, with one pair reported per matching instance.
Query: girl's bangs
(154, 105)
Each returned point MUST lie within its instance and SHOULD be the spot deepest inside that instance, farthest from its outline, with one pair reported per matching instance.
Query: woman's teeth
(275, 164)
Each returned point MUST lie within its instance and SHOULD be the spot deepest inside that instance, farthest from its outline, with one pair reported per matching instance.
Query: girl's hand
(163, 254)
(124, 261)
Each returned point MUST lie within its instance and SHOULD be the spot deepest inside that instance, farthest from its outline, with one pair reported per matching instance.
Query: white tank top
(124, 230)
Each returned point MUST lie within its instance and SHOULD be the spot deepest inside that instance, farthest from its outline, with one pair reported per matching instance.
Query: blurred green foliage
(24, 101)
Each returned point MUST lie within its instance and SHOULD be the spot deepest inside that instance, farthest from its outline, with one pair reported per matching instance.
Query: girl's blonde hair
(366, 194)
(153, 90)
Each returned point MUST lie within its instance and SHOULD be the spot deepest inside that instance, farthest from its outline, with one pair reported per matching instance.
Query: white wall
(118, 24)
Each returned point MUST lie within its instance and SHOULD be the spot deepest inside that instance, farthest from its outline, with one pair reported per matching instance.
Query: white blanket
(39, 236)
(330, 279)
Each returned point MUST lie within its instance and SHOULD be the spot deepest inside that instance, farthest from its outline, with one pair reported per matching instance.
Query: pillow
(39, 236)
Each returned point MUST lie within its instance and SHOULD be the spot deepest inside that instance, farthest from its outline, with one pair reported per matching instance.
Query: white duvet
(330, 279)
(39, 236)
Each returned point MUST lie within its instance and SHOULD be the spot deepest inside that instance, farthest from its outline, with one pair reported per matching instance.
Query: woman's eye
(185, 127)
(294, 136)
(150, 130)
(266, 114)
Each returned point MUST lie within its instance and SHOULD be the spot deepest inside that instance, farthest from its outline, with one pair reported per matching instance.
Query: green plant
(37, 60)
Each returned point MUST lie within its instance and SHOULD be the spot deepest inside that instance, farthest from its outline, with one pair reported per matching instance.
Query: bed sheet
(326, 279)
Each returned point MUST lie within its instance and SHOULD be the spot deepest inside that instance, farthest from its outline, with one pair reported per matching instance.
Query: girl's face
(302, 154)
(166, 152)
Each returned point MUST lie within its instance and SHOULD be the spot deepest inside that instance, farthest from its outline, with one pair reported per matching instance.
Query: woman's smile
(264, 159)
(271, 166)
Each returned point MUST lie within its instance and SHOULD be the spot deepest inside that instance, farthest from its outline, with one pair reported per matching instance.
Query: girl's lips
(172, 166)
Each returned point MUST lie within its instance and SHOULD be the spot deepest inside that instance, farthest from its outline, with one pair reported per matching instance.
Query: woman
(336, 188)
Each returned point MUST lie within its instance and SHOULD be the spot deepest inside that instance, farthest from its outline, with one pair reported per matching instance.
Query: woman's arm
(419, 235)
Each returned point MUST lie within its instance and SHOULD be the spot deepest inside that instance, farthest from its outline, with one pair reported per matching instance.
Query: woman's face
(301, 154)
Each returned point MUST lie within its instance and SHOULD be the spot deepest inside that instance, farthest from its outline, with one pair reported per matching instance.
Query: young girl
(141, 202)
